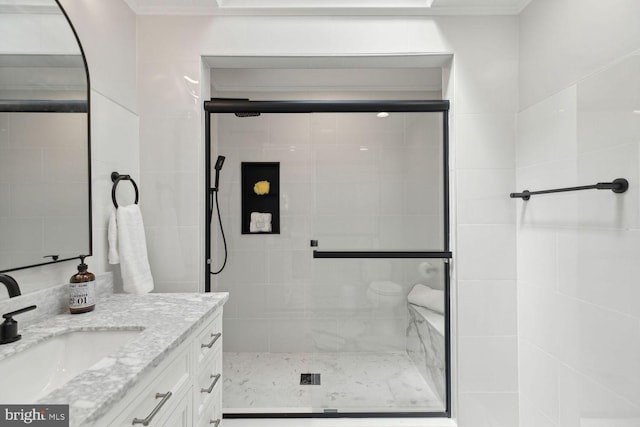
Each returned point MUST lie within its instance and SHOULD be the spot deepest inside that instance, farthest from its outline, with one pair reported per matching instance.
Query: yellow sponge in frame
(261, 188)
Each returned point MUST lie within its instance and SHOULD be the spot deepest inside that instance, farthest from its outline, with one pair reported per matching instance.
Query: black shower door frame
(226, 105)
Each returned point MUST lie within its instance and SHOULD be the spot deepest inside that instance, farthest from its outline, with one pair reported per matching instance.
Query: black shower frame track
(224, 105)
(44, 106)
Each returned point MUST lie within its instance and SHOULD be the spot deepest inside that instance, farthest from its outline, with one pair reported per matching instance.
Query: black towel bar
(116, 178)
(619, 185)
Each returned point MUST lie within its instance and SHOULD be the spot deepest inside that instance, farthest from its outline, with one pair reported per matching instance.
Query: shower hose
(224, 240)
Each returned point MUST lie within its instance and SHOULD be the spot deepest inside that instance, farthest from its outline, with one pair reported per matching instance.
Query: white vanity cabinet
(185, 390)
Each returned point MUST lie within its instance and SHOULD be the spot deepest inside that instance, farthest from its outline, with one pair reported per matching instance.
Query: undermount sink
(36, 371)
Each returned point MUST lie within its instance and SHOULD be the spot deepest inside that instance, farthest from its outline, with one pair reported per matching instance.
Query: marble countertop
(165, 321)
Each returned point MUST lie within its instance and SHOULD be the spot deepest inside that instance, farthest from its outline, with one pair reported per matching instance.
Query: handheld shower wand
(213, 194)
(217, 167)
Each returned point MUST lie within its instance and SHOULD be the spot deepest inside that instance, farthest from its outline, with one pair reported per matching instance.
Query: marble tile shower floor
(350, 382)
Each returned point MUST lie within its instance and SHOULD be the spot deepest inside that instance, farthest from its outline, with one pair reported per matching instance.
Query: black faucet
(9, 328)
(11, 284)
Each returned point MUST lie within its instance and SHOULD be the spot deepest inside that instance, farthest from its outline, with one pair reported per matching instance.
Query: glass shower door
(377, 298)
(379, 183)
(345, 309)
(375, 350)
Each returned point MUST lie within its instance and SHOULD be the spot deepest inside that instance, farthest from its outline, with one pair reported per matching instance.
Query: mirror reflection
(44, 137)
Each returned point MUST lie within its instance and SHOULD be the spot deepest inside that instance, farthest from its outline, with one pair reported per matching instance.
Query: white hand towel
(424, 296)
(132, 249)
(260, 222)
(112, 237)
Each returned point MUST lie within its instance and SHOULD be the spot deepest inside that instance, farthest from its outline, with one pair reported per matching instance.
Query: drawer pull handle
(213, 384)
(214, 422)
(213, 341)
(146, 421)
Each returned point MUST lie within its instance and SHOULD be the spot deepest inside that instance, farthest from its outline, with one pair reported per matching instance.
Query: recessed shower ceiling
(394, 73)
(431, 7)
(338, 79)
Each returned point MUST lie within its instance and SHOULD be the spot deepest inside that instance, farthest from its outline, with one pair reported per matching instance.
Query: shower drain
(309, 379)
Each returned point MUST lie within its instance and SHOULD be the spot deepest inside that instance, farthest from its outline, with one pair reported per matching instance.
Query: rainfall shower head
(247, 114)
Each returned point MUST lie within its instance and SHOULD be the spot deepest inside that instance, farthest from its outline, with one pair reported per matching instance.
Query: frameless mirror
(45, 203)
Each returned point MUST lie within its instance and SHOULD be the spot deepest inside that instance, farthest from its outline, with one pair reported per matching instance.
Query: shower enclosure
(344, 309)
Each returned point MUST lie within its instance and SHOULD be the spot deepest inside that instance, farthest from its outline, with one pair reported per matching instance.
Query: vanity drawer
(154, 399)
(213, 413)
(181, 415)
(207, 386)
(208, 340)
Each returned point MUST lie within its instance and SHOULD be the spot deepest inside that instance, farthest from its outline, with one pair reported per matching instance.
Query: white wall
(107, 31)
(562, 41)
(579, 340)
(483, 86)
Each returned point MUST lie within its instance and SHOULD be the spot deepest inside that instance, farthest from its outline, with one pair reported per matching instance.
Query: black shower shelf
(253, 172)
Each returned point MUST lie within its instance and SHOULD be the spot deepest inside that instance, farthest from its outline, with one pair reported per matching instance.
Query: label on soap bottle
(82, 296)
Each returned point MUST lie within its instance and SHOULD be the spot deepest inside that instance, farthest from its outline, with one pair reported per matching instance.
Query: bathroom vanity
(163, 368)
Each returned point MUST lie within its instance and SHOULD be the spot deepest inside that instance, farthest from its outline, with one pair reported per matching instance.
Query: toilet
(385, 295)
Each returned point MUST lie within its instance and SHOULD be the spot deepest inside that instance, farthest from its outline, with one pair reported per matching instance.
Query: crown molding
(330, 11)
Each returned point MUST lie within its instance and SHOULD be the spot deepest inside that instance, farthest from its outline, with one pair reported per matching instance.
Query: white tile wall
(114, 142)
(484, 141)
(556, 140)
(489, 409)
(539, 379)
(530, 416)
(481, 196)
(170, 152)
(497, 258)
(497, 357)
(578, 323)
(583, 401)
(562, 34)
(485, 63)
(486, 308)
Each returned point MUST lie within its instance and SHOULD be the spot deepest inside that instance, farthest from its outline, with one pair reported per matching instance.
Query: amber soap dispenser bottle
(82, 293)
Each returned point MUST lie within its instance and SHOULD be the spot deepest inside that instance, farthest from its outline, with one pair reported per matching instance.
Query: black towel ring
(116, 178)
